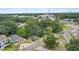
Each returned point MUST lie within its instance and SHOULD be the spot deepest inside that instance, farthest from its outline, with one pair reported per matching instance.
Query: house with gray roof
(16, 39)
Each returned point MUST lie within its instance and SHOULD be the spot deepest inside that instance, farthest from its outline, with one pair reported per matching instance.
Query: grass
(14, 47)
(11, 47)
(66, 28)
(61, 37)
(28, 41)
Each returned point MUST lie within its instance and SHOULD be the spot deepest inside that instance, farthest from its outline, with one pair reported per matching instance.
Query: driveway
(38, 45)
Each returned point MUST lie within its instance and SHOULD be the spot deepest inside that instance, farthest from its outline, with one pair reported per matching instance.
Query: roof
(21, 24)
(16, 38)
(67, 19)
(3, 37)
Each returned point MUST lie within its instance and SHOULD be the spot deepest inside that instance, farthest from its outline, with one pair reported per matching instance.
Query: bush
(50, 41)
(32, 28)
(8, 27)
(73, 45)
(21, 32)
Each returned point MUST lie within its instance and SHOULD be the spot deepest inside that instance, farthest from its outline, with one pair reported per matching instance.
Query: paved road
(34, 45)
(67, 32)
(31, 47)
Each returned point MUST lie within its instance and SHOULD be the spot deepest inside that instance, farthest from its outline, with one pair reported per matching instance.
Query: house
(17, 39)
(68, 20)
(3, 39)
(21, 24)
(46, 16)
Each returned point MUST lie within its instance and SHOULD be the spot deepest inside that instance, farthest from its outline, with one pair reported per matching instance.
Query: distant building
(45, 16)
(68, 20)
(3, 39)
(16, 39)
(21, 24)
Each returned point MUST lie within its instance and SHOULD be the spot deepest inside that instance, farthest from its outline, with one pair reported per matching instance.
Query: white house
(3, 39)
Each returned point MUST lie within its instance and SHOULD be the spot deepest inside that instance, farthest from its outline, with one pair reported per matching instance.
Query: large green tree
(8, 27)
(49, 38)
(55, 25)
(47, 31)
(32, 28)
(21, 19)
(50, 41)
(73, 45)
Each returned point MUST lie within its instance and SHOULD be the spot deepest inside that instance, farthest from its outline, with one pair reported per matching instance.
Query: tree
(8, 27)
(21, 19)
(47, 31)
(73, 45)
(49, 38)
(56, 26)
(32, 27)
(50, 41)
(35, 27)
(7, 17)
(4, 29)
(44, 23)
(21, 32)
(76, 20)
(9, 42)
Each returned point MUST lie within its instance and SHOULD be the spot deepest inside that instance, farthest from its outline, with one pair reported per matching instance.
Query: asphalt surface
(33, 46)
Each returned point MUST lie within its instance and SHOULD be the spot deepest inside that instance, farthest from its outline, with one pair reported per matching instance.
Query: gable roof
(16, 38)
(3, 37)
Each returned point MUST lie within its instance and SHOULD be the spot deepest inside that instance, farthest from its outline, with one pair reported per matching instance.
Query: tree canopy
(21, 32)
(8, 27)
(73, 45)
(32, 27)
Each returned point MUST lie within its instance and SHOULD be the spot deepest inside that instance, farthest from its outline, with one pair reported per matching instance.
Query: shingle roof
(16, 38)
(3, 37)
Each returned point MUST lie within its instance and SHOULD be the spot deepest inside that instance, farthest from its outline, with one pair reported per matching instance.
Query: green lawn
(66, 28)
(11, 48)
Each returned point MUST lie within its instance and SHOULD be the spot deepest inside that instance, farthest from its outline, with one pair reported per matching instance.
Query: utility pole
(49, 12)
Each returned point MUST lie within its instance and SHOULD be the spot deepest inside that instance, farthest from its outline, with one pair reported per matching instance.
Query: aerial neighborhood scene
(39, 29)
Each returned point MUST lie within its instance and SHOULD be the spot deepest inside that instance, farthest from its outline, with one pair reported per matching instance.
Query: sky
(37, 10)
